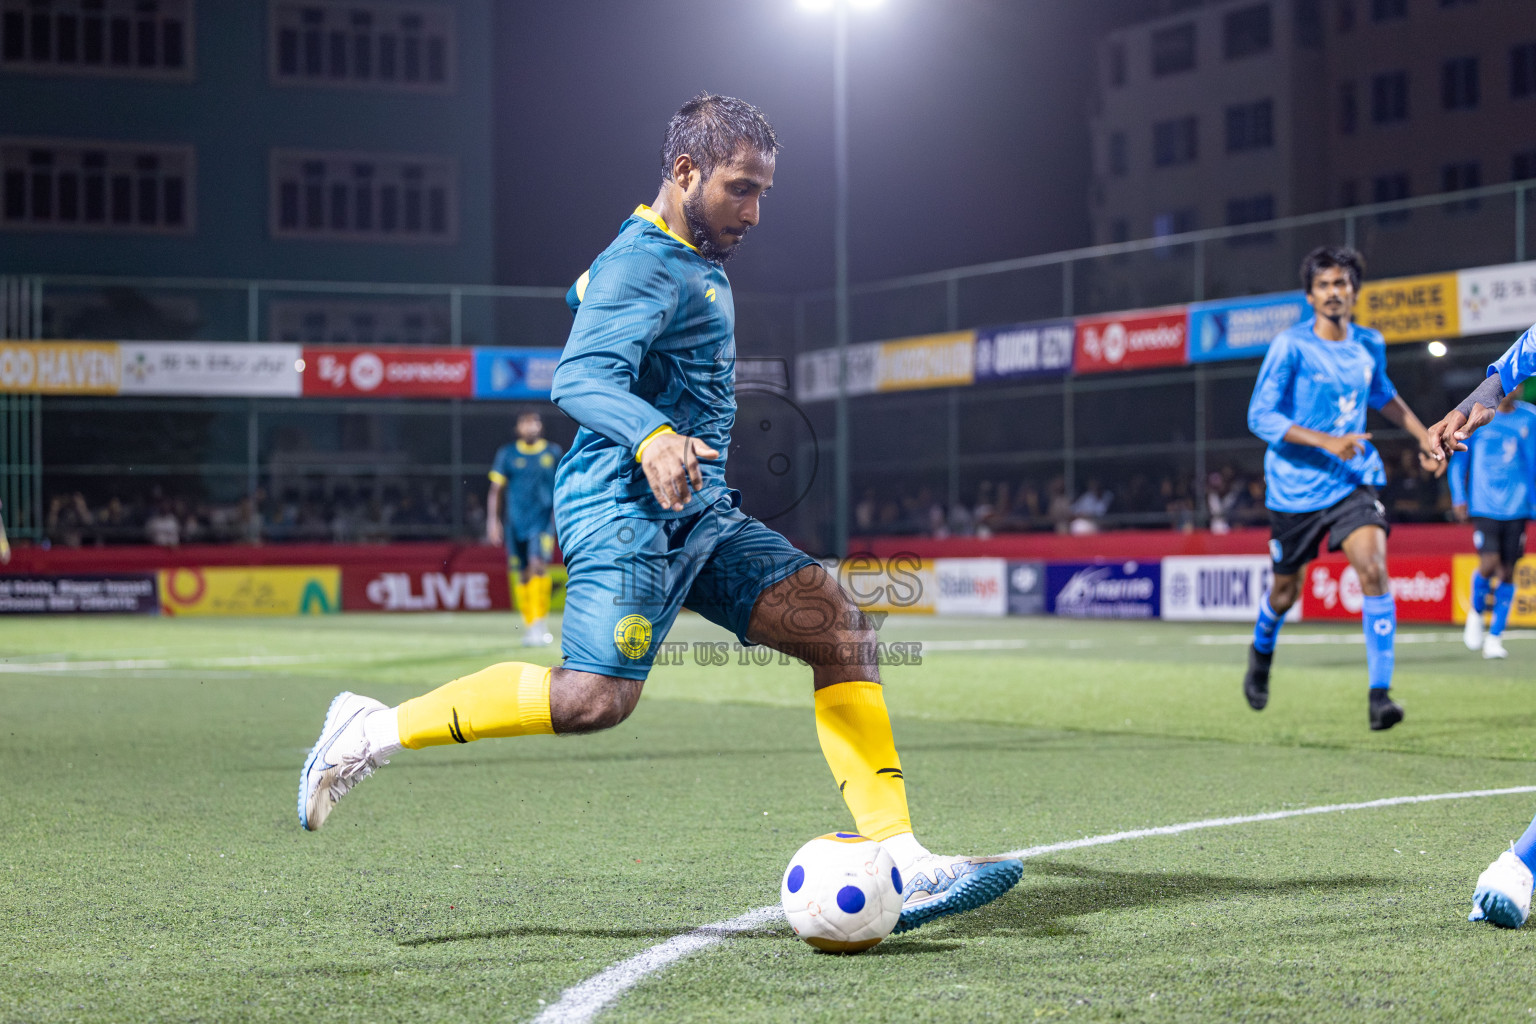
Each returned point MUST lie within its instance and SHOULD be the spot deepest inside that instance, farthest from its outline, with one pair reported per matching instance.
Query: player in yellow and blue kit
(1501, 461)
(519, 512)
(648, 526)
(1320, 470)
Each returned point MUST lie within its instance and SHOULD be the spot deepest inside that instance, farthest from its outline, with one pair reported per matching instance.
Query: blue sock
(1479, 593)
(1379, 616)
(1267, 628)
(1503, 597)
(1525, 846)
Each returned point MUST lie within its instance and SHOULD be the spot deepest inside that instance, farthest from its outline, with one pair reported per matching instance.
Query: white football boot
(938, 886)
(1493, 647)
(1472, 633)
(537, 635)
(1503, 893)
(339, 760)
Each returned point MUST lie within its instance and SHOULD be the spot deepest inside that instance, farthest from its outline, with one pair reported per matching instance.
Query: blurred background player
(649, 527)
(1501, 461)
(520, 513)
(1321, 471)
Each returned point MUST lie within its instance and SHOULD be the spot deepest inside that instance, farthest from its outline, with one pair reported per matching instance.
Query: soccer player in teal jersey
(519, 512)
(648, 526)
(1321, 472)
(1501, 463)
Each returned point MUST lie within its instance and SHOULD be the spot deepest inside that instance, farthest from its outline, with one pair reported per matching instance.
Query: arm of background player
(625, 306)
(1505, 374)
(493, 508)
(1460, 465)
(1272, 426)
(1398, 414)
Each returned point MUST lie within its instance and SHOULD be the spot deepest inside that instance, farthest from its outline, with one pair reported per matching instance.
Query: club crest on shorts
(1275, 551)
(632, 636)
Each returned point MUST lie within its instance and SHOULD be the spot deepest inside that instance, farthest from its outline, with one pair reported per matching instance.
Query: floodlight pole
(840, 259)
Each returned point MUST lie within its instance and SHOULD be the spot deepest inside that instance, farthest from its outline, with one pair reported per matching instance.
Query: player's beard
(698, 226)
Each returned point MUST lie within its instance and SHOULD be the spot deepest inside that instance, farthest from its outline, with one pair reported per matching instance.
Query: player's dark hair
(527, 410)
(1326, 257)
(711, 129)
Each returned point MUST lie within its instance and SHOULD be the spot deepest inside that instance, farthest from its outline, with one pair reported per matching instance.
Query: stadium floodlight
(1437, 349)
(839, 10)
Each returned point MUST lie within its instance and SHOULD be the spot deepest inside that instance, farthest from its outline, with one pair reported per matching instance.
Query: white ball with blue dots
(841, 892)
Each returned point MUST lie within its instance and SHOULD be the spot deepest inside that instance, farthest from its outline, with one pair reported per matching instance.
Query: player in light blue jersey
(648, 527)
(1321, 471)
(1501, 461)
(1505, 375)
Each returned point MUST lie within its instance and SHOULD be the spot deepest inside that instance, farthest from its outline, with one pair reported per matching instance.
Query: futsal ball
(841, 893)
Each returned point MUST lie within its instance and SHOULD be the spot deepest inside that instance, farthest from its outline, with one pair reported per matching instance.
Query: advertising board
(512, 373)
(1024, 350)
(80, 594)
(971, 586)
(1410, 308)
(388, 372)
(1330, 588)
(265, 590)
(1497, 298)
(1216, 588)
(1026, 588)
(1131, 341)
(210, 368)
(59, 367)
(1103, 590)
(1522, 611)
(1242, 328)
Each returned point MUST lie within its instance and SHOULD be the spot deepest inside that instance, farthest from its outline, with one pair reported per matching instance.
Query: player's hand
(1429, 460)
(1348, 446)
(671, 464)
(1459, 512)
(493, 532)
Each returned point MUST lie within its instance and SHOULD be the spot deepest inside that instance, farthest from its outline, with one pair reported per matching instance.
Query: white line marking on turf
(1199, 640)
(583, 1001)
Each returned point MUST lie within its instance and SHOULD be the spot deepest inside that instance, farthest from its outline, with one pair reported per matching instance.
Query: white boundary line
(583, 1001)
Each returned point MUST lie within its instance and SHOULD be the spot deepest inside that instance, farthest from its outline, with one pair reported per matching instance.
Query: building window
(96, 186)
(1175, 142)
(1309, 23)
(1458, 83)
(1523, 165)
(1174, 222)
(1349, 111)
(1386, 188)
(369, 45)
(1246, 32)
(1116, 59)
(1458, 176)
(364, 197)
(1389, 97)
(1251, 126)
(1346, 20)
(1119, 161)
(1173, 49)
(1522, 71)
(1457, 3)
(1388, 10)
(120, 38)
(1251, 210)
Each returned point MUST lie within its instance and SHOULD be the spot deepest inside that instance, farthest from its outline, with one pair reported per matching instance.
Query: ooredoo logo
(367, 371)
(1131, 342)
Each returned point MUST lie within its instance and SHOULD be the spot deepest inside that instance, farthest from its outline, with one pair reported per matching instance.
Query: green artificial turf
(152, 867)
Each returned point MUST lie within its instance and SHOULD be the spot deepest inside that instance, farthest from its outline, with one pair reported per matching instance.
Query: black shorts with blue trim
(1294, 536)
(1502, 537)
(628, 578)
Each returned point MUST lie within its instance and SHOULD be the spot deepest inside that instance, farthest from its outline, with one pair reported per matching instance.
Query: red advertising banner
(392, 372)
(1421, 583)
(1133, 341)
(393, 588)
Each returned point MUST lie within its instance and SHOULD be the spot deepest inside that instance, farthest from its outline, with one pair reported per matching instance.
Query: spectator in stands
(864, 512)
(1090, 508)
(68, 519)
(1178, 504)
(1059, 506)
(163, 529)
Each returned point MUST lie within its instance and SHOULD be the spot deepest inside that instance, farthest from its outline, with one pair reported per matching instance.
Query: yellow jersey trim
(497, 478)
(534, 448)
(646, 213)
(653, 435)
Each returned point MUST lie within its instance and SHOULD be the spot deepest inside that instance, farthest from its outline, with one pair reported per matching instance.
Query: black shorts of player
(1502, 537)
(1294, 536)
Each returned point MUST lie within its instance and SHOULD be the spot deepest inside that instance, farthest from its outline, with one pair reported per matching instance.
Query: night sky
(968, 128)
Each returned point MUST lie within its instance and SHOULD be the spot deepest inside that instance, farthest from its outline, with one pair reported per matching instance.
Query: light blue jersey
(1324, 386)
(653, 345)
(1501, 458)
(1518, 363)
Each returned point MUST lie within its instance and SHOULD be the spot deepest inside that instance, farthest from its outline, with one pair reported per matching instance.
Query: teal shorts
(628, 579)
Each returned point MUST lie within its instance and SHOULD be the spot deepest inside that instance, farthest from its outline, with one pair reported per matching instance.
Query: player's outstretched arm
(1505, 374)
(1397, 413)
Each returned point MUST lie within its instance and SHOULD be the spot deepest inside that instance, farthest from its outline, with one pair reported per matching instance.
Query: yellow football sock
(855, 732)
(509, 699)
(540, 587)
(521, 592)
